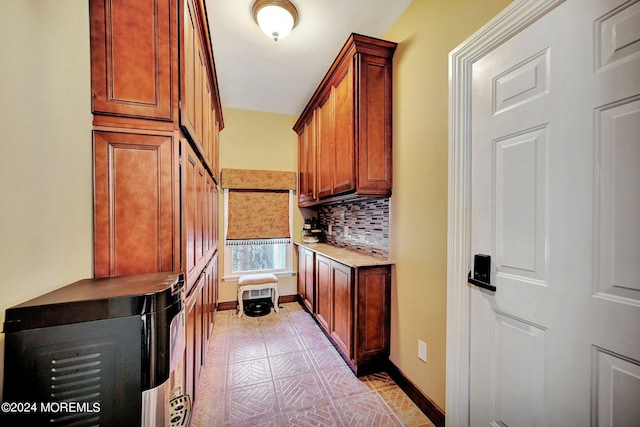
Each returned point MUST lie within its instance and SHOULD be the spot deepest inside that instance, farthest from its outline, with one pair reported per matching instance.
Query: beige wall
(257, 140)
(426, 33)
(45, 152)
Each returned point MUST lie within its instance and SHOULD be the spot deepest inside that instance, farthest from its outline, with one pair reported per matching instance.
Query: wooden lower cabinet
(324, 292)
(353, 307)
(306, 277)
(190, 356)
(372, 327)
(199, 307)
(342, 301)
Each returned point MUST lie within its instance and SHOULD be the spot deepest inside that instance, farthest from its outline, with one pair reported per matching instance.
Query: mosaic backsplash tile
(361, 225)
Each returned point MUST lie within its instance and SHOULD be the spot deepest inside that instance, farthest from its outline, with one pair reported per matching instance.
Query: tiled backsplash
(359, 225)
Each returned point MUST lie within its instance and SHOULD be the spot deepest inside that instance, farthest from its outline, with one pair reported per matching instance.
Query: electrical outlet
(422, 351)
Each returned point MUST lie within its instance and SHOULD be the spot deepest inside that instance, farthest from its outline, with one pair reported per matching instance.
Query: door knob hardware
(481, 272)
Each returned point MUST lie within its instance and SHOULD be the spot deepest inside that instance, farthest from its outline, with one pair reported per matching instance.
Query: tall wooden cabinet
(157, 119)
(352, 113)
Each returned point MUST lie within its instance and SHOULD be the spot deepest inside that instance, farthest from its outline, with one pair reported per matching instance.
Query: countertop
(346, 256)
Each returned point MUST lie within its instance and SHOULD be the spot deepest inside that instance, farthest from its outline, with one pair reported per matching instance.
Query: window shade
(258, 203)
(258, 214)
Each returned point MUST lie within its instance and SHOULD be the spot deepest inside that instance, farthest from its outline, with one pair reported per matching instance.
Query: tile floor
(280, 370)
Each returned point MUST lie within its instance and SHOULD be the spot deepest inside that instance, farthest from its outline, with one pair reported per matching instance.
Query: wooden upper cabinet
(188, 57)
(132, 79)
(354, 116)
(307, 174)
(374, 171)
(199, 101)
(152, 68)
(135, 211)
(343, 105)
(326, 148)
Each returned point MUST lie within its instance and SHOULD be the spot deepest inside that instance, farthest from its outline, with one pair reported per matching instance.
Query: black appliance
(105, 351)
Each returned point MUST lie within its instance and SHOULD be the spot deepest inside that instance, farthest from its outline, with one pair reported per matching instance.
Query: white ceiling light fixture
(276, 18)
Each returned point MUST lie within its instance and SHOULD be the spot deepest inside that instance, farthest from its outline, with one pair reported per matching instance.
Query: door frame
(511, 21)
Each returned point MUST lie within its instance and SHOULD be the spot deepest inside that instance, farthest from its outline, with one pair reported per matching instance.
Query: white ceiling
(257, 73)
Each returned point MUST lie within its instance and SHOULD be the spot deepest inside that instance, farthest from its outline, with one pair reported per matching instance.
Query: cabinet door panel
(302, 271)
(200, 330)
(216, 217)
(193, 214)
(323, 295)
(344, 166)
(341, 326)
(201, 72)
(131, 58)
(134, 208)
(326, 148)
(188, 67)
(307, 164)
(309, 288)
(374, 293)
(374, 140)
(302, 166)
(190, 331)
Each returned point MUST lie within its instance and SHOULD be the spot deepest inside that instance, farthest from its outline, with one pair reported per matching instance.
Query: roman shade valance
(250, 179)
(258, 204)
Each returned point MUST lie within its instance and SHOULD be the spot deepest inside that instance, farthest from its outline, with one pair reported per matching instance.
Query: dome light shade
(276, 18)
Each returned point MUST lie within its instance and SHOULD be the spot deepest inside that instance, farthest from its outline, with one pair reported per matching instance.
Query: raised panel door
(201, 73)
(554, 148)
(373, 324)
(193, 190)
(215, 216)
(215, 269)
(326, 148)
(342, 315)
(131, 53)
(312, 153)
(216, 150)
(344, 166)
(135, 214)
(303, 164)
(190, 331)
(324, 291)
(200, 322)
(302, 269)
(207, 124)
(374, 162)
(208, 216)
(212, 271)
(309, 282)
(307, 163)
(188, 66)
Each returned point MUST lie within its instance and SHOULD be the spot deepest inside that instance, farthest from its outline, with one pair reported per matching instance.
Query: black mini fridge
(104, 351)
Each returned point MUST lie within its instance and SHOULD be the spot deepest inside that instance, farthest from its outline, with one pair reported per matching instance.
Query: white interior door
(556, 204)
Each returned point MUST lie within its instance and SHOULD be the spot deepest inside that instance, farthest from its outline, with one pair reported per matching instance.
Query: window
(257, 222)
(260, 256)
